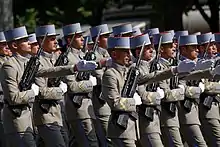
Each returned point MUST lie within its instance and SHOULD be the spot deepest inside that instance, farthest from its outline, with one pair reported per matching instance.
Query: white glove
(182, 87)
(186, 66)
(108, 62)
(160, 92)
(35, 88)
(137, 99)
(202, 86)
(93, 80)
(204, 64)
(63, 87)
(84, 65)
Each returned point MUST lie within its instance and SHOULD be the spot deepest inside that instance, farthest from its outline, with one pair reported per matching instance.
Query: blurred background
(193, 15)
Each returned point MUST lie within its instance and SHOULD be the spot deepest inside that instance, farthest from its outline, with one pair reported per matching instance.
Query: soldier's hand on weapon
(137, 99)
(35, 88)
(202, 87)
(182, 87)
(84, 65)
(93, 80)
(63, 87)
(185, 66)
(204, 64)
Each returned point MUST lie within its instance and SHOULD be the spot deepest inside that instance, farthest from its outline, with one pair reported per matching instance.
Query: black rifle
(89, 56)
(174, 82)
(129, 90)
(154, 67)
(31, 69)
(61, 61)
(27, 78)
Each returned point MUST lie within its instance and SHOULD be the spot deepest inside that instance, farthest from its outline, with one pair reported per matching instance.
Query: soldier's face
(121, 56)
(4, 50)
(211, 51)
(190, 52)
(147, 53)
(23, 46)
(34, 48)
(50, 44)
(103, 41)
(78, 41)
(168, 50)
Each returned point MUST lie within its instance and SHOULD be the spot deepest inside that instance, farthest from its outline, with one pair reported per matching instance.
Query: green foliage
(29, 19)
(83, 12)
(56, 16)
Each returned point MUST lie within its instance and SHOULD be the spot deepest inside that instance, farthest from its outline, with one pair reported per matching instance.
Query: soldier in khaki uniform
(17, 126)
(101, 108)
(112, 84)
(149, 111)
(4, 55)
(209, 101)
(189, 111)
(47, 111)
(78, 103)
(169, 114)
(149, 123)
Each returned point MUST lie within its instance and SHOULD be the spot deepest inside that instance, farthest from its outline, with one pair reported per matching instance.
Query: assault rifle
(61, 61)
(154, 67)
(89, 56)
(129, 90)
(31, 69)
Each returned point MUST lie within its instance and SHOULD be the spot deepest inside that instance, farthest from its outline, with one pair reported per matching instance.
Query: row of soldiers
(170, 104)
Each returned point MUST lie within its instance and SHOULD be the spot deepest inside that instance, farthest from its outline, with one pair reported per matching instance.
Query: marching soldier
(17, 124)
(173, 94)
(149, 111)
(78, 103)
(112, 84)
(47, 111)
(4, 55)
(101, 108)
(16, 112)
(189, 111)
(209, 101)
